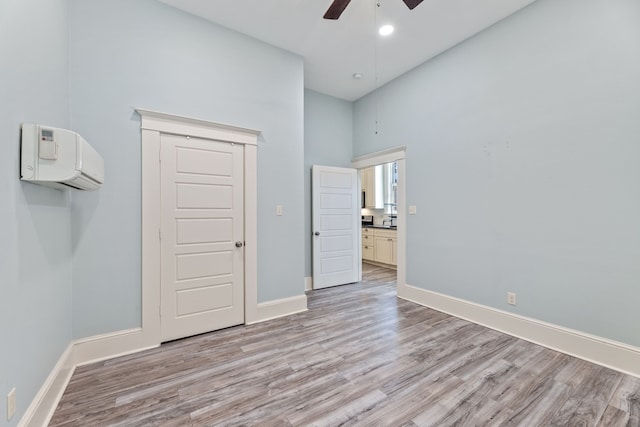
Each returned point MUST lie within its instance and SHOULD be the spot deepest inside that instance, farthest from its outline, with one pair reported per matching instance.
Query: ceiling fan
(338, 6)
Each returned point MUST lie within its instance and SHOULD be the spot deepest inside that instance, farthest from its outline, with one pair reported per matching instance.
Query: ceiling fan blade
(336, 9)
(412, 3)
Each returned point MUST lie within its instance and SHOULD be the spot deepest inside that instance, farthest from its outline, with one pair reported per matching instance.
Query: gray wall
(127, 54)
(523, 151)
(35, 233)
(328, 141)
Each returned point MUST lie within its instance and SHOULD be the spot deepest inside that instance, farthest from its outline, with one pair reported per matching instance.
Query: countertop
(384, 227)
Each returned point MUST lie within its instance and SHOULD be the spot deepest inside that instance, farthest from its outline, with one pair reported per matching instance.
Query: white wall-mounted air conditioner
(59, 158)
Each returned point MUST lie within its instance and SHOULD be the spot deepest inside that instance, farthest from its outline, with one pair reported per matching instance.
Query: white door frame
(152, 125)
(396, 154)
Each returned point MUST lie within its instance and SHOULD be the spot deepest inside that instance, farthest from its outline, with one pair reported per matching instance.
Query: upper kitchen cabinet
(372, 187)
(379, 184)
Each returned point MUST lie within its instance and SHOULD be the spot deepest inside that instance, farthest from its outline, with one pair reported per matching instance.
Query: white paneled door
(336, 223)
(202, 252)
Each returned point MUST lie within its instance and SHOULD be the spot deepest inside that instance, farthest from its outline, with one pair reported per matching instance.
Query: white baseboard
(611, 354)
(308, 283)
(107, 346)
(79, 352)
(605, 352)
(280, 308)
(120, 343)
(46, 400)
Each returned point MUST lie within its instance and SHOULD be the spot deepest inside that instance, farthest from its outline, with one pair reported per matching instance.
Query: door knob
(317, 233)
(239, 244)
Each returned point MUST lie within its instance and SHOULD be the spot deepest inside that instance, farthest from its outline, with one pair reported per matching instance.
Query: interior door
(202, 233)
(336, 226)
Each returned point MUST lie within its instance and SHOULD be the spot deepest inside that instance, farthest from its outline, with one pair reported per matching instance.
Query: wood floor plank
(397, 409)
(463, 406)
(528, 389)
(354, 406)
(587, 405)
(358, 357)
(627, 398)
(614, 417)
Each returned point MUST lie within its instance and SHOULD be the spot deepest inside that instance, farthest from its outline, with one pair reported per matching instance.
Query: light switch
(279, 210)
(413, 210)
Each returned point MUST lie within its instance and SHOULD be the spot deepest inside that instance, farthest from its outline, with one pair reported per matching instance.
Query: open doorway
(379, 201)
(382, 181)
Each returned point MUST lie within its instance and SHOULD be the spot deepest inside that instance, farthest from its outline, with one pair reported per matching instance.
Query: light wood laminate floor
(359, 356)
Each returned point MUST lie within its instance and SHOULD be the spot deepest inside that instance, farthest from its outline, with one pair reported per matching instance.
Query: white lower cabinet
(380, 245)
(384, 250)
(368, 252)
(386, 243)
(368, 244)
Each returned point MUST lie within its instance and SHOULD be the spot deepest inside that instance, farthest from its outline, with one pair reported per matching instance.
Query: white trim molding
(279, 308)
(44, 404)
(251, 234)
(602, 351)
(395, 154)
(308, 283)
(180, 125)
(379, 157)
(107, 346)
(120, 343)
(152, 125)
(79, 352)
(614, 355)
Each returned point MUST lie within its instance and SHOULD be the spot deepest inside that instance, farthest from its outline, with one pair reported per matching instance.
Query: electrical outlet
(279, 210)
(511, 298)
(11, 403)
(413, 210)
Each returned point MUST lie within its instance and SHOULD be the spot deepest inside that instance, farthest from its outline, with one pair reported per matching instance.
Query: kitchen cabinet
(368, 244)
(386, 246)
(368, 185)
(380, 245)
(368, 252)
(372, 187)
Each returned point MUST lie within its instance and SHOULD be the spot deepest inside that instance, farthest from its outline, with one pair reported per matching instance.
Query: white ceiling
(334, 50)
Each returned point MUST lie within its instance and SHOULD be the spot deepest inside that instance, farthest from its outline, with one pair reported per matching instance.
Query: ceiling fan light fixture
(385, 30)
(338, 6)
